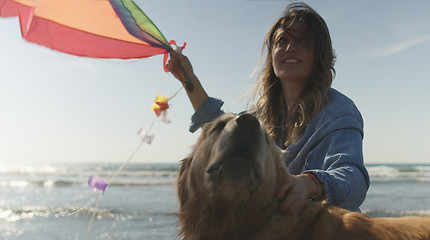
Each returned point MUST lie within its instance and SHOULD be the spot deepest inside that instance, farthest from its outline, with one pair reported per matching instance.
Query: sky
(59, 108)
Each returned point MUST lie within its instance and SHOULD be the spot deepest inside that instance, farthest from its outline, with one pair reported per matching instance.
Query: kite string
(177, 91)
(141, 142)
(115, 174)
(93, 215)
(101, 195)
(125, 163)
(82, 208)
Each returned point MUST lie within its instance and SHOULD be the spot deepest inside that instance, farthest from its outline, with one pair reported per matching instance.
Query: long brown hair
(271, 101)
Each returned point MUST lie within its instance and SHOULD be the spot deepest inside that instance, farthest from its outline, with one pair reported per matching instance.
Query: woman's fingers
(292, 195)
(178, 59)
(283, 189)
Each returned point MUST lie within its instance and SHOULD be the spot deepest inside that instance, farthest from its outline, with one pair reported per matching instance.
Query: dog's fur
(227, 190)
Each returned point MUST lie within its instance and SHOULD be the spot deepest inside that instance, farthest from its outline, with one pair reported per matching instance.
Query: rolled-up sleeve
(207, 112)
(342, 169)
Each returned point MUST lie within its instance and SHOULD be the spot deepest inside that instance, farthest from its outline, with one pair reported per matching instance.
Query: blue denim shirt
(330, 147)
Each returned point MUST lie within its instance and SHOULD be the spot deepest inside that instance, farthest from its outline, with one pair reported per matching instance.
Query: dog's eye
(218, 127)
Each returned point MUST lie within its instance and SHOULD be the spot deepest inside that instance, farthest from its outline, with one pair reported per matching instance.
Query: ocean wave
(51, 183)
(24, 169)
(138, 174)
(147, 174)
(40, 183)
(418, 173)
(82, 170)
(29, 212)
(392, 213)
(142, 184)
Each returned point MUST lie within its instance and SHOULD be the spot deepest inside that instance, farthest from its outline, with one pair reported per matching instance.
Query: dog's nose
(247, 120)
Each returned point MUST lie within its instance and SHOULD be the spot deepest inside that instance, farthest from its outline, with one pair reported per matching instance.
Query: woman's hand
(176, 59)
(296, 192)
(197, 94)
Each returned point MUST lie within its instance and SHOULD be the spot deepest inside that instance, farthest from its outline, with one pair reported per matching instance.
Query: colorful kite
(90, 28)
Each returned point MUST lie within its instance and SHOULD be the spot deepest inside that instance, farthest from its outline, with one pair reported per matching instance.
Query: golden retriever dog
(227, 190)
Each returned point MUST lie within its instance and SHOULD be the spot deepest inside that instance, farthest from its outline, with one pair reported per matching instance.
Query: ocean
(53, 202)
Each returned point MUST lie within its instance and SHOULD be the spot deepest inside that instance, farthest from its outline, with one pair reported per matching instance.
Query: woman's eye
(305, 40)
(281, 41)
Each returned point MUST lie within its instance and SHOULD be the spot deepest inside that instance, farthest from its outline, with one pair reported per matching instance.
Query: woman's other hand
(296, 192)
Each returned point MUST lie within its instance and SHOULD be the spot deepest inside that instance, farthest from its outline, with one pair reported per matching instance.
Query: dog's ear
(182, 180)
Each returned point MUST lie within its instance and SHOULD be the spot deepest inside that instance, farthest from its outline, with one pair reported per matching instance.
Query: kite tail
(105, 185)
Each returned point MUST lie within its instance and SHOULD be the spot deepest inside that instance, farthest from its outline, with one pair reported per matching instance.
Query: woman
(321, 129)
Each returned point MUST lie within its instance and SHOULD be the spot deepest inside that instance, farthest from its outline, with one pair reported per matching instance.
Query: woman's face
(292, 53)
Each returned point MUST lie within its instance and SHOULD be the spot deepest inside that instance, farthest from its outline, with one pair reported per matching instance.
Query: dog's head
(234, 166)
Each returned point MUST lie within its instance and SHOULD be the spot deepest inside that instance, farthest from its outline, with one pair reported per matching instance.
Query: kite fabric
(99, 29)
